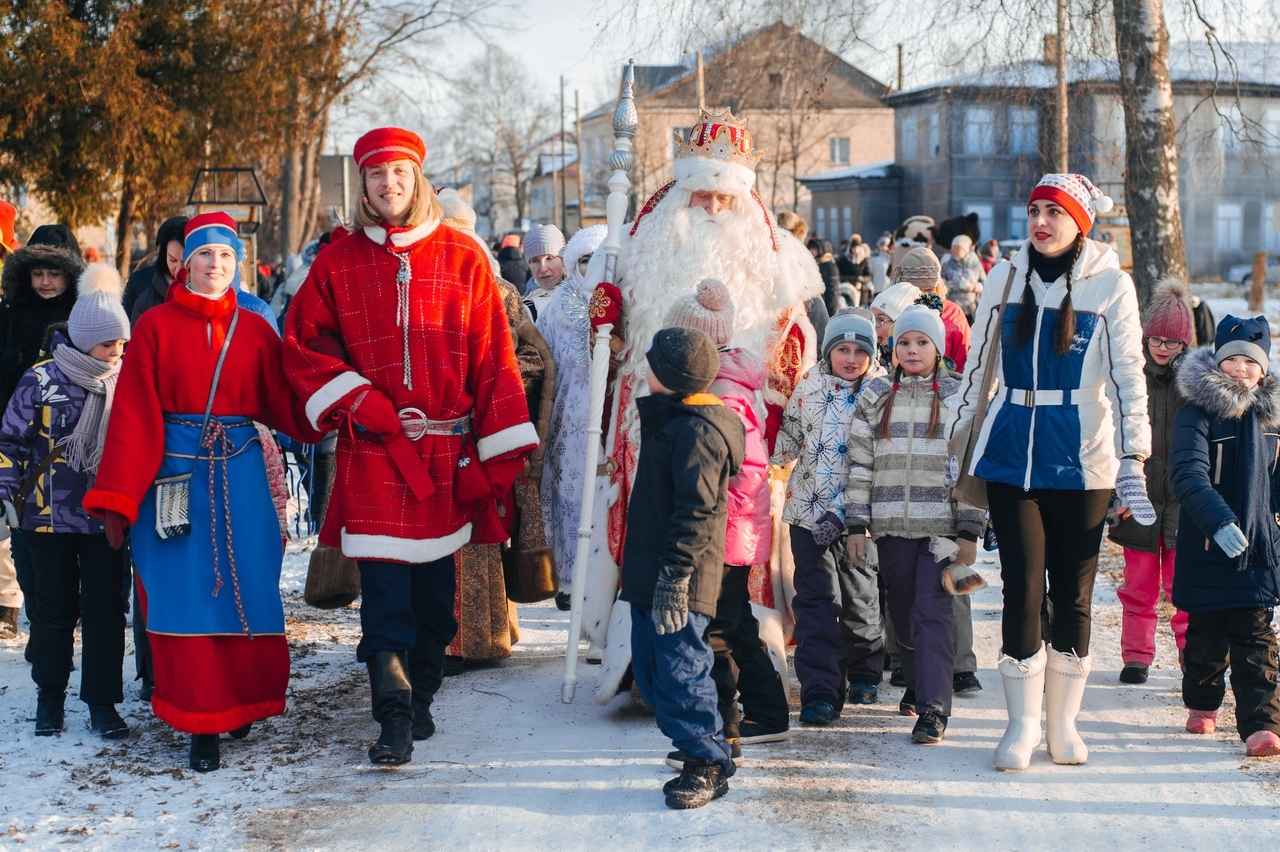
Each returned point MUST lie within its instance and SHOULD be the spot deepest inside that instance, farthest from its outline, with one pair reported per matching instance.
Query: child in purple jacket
(61, 407)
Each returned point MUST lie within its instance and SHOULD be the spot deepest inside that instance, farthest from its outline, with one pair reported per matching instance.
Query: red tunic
(460, 362)
(204, 684)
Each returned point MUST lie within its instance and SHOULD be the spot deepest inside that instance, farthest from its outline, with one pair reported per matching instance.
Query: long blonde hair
(426, 205)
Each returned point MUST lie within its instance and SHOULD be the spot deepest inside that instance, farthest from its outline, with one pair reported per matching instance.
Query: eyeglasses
(881, 322)
(1162, 343)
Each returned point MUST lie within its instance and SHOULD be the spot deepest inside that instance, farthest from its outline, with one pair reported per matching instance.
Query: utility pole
(1060, 108)
(577, 133)
(702, 84)
(899, 67)
(564, 202)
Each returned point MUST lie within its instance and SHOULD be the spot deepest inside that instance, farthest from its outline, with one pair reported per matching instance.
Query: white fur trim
(100, 278)
(511, 438)
(773, 636)
(617, 653)
(329, 394)
(396, 549)
(403, 238)
(704, 173)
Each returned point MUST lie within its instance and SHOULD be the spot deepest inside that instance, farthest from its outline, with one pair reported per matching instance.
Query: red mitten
(606, 305)
(374, 412)
(116, 525)
(502, 472)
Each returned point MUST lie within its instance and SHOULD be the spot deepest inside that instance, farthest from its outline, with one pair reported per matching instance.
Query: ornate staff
(604, 310)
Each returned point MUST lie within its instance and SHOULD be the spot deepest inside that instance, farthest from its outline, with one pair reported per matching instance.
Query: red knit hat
(1168, 314)
(389, 143)
(1075, 194)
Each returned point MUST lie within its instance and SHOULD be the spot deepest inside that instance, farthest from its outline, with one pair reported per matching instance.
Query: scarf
(84, 445)
(1251, 482)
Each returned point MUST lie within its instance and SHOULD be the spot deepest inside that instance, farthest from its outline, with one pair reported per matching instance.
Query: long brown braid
(1065, 328)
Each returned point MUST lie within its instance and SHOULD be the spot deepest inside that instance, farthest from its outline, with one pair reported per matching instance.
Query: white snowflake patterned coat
(815, 434)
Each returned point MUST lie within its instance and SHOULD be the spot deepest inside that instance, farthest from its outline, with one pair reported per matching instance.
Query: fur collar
(1201, 382)
(402, 237)
(15, 281)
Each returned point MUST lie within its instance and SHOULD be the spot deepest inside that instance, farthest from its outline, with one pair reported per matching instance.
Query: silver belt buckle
(414, 423)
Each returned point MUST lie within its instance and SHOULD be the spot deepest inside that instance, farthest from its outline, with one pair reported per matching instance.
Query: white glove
(1131, 487)
(11, 515)
(1231, 540)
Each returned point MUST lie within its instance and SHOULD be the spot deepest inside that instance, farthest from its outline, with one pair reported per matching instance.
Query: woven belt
(415, 424)
(1032, 399)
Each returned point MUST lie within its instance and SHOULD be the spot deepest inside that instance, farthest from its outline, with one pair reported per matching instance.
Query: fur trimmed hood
(15, 282)
(1205, 386)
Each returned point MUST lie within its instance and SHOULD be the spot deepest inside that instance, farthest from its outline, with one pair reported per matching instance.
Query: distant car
(1008, 247)
(1242, 273)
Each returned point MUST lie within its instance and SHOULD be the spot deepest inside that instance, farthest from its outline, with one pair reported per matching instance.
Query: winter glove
(1231, 540)
(827, 529)
(670, 605)
(116, 525)
(11, 515)
(858, 547)
(1131, 486)
(968, 553)
(374, 412)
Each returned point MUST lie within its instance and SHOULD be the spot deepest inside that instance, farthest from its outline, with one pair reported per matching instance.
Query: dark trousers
(402, 604)
(673, 675)
(1058, 533)
(1243, 640)
(742, 664)
(922, 615)
(79, 579)
(837, 633)
(22, 565)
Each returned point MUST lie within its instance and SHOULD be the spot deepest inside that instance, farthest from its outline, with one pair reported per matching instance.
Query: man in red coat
(399, 338)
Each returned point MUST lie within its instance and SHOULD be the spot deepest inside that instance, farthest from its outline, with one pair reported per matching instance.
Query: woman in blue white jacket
(1068, 424)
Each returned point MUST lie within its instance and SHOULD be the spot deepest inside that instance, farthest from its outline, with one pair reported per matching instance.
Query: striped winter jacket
(901, 485)
(1059, 422)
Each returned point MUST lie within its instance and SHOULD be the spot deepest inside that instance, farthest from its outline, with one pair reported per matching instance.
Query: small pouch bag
(173, 493)
(470, 483)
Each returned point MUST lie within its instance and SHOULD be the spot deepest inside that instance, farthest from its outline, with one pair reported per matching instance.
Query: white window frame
(910, 138)
(1229, 225)
(986, 218)
(979, 131)
(820, 222)
(1024, 130)
(1270, 227)
(846, 224)
(1017, 221)
(839, 149)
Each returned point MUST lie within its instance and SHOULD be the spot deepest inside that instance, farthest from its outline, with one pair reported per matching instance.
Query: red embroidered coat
(455, 352)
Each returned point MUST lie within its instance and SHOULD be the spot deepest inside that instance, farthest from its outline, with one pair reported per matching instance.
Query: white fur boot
(1023, 691)
(1063, 694)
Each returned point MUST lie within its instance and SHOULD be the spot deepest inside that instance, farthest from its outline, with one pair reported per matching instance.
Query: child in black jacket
(690, 444)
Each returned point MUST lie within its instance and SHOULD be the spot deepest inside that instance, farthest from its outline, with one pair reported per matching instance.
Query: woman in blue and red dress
(212, 595)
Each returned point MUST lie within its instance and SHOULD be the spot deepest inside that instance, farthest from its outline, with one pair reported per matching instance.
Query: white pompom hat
(1076, 194)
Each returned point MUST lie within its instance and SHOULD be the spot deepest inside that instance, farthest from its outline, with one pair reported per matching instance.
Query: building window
(820, 226)
(839, 150)
(986, 218)
(833, 225)
(1024, 130)
(1271, 226)
(910, 130)
(979, 132)
(1232, 130)
(678, 133)
(1230, 226)
(1018, 222)
(935, 136)
(847, 221)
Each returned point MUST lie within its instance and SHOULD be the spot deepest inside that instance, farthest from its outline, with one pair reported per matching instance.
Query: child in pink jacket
(734, 633)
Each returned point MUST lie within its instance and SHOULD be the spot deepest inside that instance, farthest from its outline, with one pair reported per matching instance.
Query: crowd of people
(777, 468)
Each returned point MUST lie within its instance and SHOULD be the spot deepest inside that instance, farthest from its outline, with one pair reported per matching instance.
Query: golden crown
(719, 136)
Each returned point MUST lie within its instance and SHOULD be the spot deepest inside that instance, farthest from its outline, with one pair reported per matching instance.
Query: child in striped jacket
(900, 492)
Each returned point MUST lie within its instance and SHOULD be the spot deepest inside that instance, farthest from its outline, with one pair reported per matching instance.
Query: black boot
(241, 732)
(700, 781)
(426, 673)
(204, 753)
(105, 721)
(49, 713)
(392, 708)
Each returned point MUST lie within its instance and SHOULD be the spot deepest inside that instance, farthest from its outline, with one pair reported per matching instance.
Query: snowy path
(513, 768)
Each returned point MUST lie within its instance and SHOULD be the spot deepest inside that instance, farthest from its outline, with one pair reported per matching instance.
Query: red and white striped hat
(1075, 194)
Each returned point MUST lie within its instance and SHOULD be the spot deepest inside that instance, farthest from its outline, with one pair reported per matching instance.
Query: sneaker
(863, 693)
(929, 728)
(750, 733)
(1262, 744)
(907, 706)
(818, 712)
(700, 782)
(677, 758)
(965, 682)
(105, 721)
(563, 601)
(1134, 673)
(8, 622)
(1202, 721)
(897, 678)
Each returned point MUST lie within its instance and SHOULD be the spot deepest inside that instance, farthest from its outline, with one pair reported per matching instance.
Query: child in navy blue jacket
(1226, 442)
(673, 558)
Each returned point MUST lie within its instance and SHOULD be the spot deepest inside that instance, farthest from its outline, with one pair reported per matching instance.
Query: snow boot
(427, 662)
(1023, 693)
(392, 708)
(1202, 721)
(8, 622)
(1064, 685)
(1134, 673)
(105, 721)
(49, 713)
(964, 683)
(204, 755)
(676, 759)
(700, 782)
(241, 732)
(1260, 744)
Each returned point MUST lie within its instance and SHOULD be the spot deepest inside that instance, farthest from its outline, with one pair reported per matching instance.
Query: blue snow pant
(673, 673)
(922, 616)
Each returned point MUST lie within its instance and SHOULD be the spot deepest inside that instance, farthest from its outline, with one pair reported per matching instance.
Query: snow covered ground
(514, 768)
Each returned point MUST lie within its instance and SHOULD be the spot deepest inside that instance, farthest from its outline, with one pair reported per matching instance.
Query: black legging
(1047, 531)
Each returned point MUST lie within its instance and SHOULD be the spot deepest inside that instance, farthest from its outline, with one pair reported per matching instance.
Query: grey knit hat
(98, 315)
(542, 239)
(897, 298)
(1247, 336)
(849, 327)
(925, 320)
(708, 309)
(684, 360)
(920, 267)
